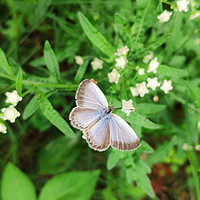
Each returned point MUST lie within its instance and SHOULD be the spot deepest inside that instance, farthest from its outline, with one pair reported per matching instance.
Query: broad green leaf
(113, 159)
(145, 147)
(95, 37)
(149, 108)
(135, 118)
(72, 186)
(145, 18)
(19, 82)
(4, 63)
(171, 72)
(63, 158)
(51, 61)
(81, 71)
(16, 185)
(30, 108)
(52, 115)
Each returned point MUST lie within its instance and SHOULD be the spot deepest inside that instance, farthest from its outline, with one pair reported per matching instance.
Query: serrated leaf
(95, 37)
(19, 82)
(171, 72)
(52, 115)
(51, 61)
(81, 71)
(73, 186)
(16, 185)
(113, 159)
(30, 108)
(4, 63)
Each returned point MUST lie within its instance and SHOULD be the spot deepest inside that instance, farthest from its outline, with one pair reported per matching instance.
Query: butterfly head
(110, 109)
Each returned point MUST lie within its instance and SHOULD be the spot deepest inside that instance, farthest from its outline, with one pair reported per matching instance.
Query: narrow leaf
(113, 159)
(95, 37)
(19, 82)
(4, 63)
(81, 71)
(73, 186)
(51, 61)
(16, 185)
(52, 115)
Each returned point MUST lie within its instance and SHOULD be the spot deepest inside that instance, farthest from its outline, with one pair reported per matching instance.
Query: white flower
(127, 106)
(141, 71)
(166, 86)
(121, 62)
(142, 89)
(153, 83)
(148, 57)
(155, 98)
(97, 64)
(197, 147)
(113, 76)
(182, 5)
(13, 98)
(164, 16)
(195, 15)
(134, 91)
(10, 113)
(153, 65)
(79, 60)
(3, 128)
(185, 146)
(122, 51)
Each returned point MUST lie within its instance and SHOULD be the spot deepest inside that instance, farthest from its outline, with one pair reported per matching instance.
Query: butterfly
(100, 126)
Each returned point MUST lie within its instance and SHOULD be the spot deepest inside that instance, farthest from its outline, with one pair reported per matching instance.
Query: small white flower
(134, 91)
(121, 62)
(197, 147)
(13, 98)
(127, 106)
(10, 113)
(197, 41)
(153, 65)
(198, 125)
(166, 86)
(153, 83)
(142, 89)
(195, 15)
(3, 128)
(185, 146)
(164, 16)
(148, 57)
(97, 64)
(182, 5)
(122, 51)
(155, 98)
(141, 71)
(79, 60)
(113, 76)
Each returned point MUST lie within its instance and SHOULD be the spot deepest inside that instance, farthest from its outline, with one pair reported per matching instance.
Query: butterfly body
(100, 126)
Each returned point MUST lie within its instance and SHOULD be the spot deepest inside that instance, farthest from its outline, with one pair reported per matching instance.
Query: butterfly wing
(90, 96)
(123, 137)
(98, 135)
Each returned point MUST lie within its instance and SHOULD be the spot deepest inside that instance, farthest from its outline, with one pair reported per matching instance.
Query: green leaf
(95, 37)
(72, 186)
(145, 147)
(149, 108)
(52, 115)
(63, 158)
(171, 72)
(113, 159)
(30, 108)
(135, 118)
(51, 61)
(4, 63)
(16, 185)
(81, 71)
(19, 82)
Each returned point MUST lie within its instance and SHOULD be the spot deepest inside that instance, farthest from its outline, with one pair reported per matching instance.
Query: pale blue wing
(122, 136)
(90, 96)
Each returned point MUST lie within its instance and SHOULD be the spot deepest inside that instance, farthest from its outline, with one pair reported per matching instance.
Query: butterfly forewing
(123, 137)
(90, 96)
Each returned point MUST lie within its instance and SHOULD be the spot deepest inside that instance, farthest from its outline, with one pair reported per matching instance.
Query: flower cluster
(187, 147)
(9, 113)
(152, 83)
(164, 16)
(120, 62)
